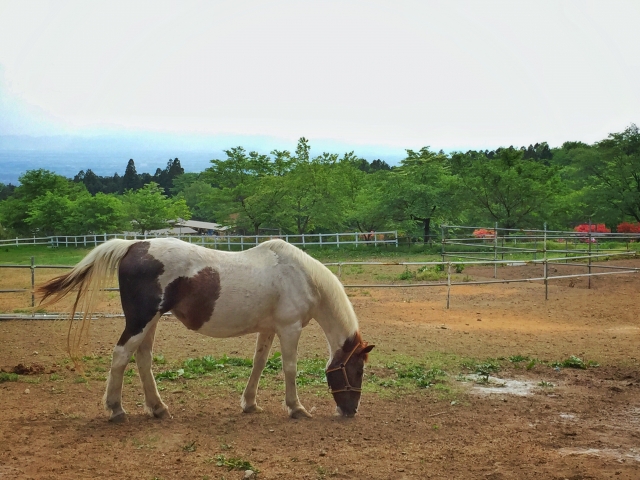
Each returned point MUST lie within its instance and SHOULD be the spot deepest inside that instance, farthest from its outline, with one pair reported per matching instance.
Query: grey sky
(452, 75)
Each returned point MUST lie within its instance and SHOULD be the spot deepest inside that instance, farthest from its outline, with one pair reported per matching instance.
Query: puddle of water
(632, 454)
(501, 386)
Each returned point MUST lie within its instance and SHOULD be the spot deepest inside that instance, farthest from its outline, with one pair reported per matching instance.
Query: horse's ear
(367, 348)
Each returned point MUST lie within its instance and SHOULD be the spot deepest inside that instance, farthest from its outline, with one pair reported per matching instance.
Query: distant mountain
(107, 154)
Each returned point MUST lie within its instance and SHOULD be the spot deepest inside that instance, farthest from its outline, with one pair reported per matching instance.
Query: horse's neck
(336, 328)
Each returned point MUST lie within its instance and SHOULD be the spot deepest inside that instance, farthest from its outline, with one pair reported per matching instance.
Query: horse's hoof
(252, 409)
(162, 414)
(120, 418)
(300, 413)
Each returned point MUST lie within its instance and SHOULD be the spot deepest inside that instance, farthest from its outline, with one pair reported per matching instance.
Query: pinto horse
(271, 289)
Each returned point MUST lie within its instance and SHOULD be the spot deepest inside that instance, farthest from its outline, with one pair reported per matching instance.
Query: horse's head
(344, 376)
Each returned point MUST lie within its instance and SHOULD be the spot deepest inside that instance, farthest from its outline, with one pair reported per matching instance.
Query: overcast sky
(449, 74)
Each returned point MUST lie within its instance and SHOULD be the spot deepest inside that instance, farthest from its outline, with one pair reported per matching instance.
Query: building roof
(201, 225)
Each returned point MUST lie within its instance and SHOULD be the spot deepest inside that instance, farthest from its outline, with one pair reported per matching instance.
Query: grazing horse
(272, 289)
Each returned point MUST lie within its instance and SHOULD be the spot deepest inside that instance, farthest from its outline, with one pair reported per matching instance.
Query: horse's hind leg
(126, 347)
(263, 347)
(153, 403)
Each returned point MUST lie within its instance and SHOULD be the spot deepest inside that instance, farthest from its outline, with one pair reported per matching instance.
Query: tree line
(297, 193)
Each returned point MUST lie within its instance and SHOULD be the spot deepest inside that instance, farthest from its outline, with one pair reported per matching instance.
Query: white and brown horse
(272, 289)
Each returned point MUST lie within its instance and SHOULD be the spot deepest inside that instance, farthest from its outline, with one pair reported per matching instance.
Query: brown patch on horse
(192, 299)
(140, 292)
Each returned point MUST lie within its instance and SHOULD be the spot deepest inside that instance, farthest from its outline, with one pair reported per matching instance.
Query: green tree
(15, 210)
(310, 198)
(101, 213)
(507, 189)
(50, 214)
(612, 174)
(149, 209)
(420, 189)
(246, 192)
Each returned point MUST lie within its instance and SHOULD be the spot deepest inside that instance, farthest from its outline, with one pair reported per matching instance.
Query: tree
(50, 214)
(130, 180)
(101, 213)
(310, 197)
(149, 209)
(419, 188)
(507, 189)
(246, 194)
(15, 210)
(612, 174)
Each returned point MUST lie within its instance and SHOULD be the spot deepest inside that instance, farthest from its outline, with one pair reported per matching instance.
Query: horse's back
(230, 293)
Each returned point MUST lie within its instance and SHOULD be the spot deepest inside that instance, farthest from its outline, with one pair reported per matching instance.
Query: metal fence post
(448, 284)
(544, 250)
(589, 239)
(33, 283)
(495, 251)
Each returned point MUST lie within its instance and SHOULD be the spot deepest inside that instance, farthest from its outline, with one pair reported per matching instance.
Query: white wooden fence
(228, 242)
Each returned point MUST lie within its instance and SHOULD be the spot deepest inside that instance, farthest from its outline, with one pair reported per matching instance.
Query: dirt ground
(585, 426)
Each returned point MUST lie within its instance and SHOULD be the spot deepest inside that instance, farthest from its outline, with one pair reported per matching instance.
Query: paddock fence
(460, 248)
(228, 242)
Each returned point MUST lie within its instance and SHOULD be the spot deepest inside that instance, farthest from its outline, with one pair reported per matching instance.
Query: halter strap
(342, 366)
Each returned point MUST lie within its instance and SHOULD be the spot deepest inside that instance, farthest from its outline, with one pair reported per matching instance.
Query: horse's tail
(89, 276)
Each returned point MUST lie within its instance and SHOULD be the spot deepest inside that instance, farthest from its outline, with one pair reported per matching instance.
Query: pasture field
(441, 397)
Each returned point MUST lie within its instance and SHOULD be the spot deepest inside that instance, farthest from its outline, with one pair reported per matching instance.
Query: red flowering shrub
(626, 227)
(484, 233)
(595, 227)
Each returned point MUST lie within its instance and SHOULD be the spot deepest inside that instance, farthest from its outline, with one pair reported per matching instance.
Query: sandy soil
(586, 426)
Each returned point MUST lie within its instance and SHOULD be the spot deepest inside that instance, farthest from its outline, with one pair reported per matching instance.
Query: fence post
(338, 240)
(544, 252)
(589, 252)
(396, 238)
(229, 242)
(495, 251)
(375, 239)
(33, 284)
(442, 248)
(242, 243)
(356, 234)
(448, 284)
(320, 238)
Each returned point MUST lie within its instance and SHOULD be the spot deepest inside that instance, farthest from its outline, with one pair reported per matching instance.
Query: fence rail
(581, 255)
(230, 242)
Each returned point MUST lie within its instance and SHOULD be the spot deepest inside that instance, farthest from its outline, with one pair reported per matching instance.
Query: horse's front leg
(289, 344)
(263, 347)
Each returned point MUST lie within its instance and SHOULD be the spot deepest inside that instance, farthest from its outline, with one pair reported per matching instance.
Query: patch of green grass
(9, 377)
(274, 363)
(234, 463)
(518, 358)
(159, 359)
(575, 362)
(422, 377)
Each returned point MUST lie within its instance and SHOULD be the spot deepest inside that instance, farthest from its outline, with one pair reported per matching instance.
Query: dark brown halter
(347, 387)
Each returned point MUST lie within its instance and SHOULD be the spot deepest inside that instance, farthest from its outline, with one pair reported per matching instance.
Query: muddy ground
(564, 423)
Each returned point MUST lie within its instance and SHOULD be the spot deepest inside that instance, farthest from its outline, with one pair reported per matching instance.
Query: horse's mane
(330, 288)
